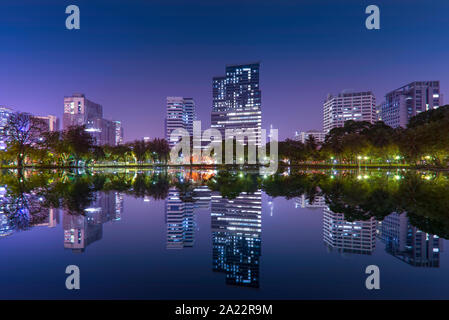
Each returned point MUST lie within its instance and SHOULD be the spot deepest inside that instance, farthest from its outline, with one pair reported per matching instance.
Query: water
(180, 240)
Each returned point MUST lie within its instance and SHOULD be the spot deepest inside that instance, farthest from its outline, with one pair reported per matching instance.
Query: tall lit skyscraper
(180, 115)
(403, 103)
(236, 99)
(357, 106)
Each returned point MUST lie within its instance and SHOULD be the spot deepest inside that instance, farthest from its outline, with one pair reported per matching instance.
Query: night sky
(129, 55)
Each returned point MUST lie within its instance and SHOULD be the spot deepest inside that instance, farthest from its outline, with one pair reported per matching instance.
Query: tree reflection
(26, 198)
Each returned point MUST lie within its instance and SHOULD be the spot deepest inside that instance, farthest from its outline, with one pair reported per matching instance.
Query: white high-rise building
(357, 106)
(180, 115)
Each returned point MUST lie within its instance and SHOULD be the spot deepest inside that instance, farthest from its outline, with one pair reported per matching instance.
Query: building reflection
(236, 237)
(80, 230)
(409, 244)
(356, 237)
(304, 202)
(180, 221)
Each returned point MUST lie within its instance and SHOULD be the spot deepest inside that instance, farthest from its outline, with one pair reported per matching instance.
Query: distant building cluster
(79, 111)
(236, 104)
(51, 123)
(396, 110)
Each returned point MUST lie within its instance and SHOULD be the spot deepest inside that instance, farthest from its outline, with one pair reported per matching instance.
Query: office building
(407, 101)
(79, 111)
(357, 106)
(318, 135)
(5, 113)
(236, 99)
(118, 130)
(180, 115)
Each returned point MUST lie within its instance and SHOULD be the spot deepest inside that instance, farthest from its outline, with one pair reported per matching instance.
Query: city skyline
(124, 57)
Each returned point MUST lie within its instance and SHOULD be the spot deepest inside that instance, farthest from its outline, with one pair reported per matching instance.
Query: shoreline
(235, 166)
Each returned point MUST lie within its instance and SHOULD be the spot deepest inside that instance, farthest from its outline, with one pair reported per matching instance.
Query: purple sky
(129, 55)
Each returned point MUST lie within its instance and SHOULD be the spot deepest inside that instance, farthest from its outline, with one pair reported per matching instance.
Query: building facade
(51, 121)
(79, 111)
(118, 129)
(405, 102)
(5, 113)
(236, 101)
(180, 115)
(357, 106)
(302, 136)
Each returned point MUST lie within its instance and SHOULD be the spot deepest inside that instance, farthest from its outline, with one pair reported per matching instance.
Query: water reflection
(236, 237)
(357, 237)
(407, 212)
(408, 243)
(80, 230)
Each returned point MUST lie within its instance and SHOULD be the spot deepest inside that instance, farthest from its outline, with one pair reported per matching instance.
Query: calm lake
(192, 234)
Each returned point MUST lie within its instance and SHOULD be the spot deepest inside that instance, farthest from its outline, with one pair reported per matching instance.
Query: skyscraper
(189, 114)
(180, 115)
(408, 101)
(79, 111)
(357, 106)
(118, 132)
(236, 99)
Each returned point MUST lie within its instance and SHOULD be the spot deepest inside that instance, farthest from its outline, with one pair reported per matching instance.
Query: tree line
(29, 142)
(425, 141)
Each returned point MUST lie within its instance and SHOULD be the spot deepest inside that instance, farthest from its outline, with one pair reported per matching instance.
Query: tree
(22, 132)
(139, 149)
(78, 141)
